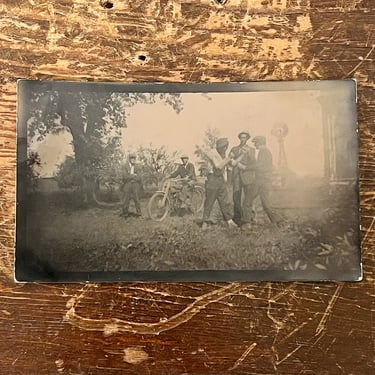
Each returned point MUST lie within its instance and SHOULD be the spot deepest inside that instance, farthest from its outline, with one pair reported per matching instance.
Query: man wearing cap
(131, 176)
(263, 174)
(216, 188)
(184, 170)
(243, 178)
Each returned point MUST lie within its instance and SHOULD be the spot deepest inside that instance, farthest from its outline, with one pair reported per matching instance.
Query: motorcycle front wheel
(157, 210)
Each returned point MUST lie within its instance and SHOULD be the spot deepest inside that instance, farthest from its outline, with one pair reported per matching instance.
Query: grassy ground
(95, 239)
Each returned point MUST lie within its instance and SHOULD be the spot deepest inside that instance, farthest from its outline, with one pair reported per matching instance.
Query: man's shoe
(205, 226)
(232, 224)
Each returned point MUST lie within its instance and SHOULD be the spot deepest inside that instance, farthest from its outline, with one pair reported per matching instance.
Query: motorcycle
(170, 198)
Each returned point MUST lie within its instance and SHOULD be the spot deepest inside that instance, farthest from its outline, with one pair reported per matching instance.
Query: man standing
(263, 173)
(243, 178)
(216, 183)
(131, 175)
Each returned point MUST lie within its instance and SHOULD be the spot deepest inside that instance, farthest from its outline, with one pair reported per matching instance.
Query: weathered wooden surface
(272, 328)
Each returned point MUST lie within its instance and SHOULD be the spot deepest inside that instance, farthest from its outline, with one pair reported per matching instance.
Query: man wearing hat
(263, 174)
(186, 171)
(243, 178)
(131, 176)
(216, 188)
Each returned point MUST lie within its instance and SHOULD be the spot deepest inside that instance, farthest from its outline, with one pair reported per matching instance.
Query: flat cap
(222, 142)
(259, 139)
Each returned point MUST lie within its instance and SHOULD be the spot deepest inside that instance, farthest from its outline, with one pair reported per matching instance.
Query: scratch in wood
(15, 361)
(340, 368)
(52, 35)
(278, 324)
(74, 300)
(289, 355)
(360, 63)
(113, 325)
(292, 332)
(311, 344)
(328, 310)
(368, 231)
(285, 291)
(330, 345)
(243, 356)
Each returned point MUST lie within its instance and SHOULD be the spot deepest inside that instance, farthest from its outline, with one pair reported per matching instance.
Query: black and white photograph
(187, 182)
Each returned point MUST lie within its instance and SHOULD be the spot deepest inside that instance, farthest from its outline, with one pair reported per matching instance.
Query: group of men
(246, 170)
(250, 174)
(132, 183)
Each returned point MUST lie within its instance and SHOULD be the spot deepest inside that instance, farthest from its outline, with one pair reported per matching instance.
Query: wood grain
(197, 328)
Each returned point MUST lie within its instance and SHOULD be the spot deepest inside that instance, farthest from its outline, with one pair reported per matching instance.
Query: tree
(93, 118)
(157, 162)
(32, 175)
(211, 135)
(68, 175)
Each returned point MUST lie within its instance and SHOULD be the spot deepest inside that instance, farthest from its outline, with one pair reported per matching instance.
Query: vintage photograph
(179, 182)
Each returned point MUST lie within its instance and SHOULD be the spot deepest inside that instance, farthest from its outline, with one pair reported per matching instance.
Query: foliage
(111, 159)
(68, 175)
(211, 135)
(105, 163)
(94, 119)
(333, 254)
(329, 242)
(157, 163)
(32, 175)
(86, 114)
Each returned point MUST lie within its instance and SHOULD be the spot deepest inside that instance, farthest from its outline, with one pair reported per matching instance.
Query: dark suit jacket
(127, 176)
(184, 171)
(247, 175)
(264, 165)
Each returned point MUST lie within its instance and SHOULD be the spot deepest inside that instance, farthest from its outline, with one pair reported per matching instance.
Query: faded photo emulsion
(187, 182)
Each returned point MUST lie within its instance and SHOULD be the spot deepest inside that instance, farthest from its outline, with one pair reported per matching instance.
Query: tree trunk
(85, 169)
(80, 147)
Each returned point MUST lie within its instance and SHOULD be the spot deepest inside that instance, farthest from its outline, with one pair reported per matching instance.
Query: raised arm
(220, 164)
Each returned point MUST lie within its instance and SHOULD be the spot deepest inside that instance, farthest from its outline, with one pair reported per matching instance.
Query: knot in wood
(106, 4)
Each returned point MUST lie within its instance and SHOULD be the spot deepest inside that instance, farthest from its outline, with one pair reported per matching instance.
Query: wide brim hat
(245, 132)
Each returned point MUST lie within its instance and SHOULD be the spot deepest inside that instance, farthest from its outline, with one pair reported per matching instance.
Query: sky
(257, 112)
